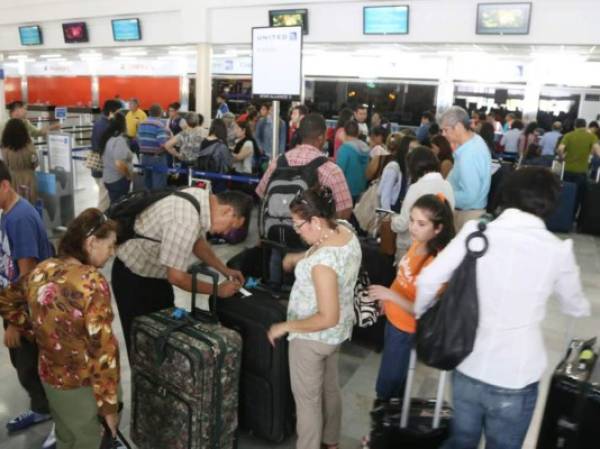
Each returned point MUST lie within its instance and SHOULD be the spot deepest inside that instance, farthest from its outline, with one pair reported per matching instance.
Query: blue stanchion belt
(183, 171)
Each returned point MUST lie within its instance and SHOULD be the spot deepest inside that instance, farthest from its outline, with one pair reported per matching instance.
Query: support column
(533, 89)
(96, 92)
(445, 91)
(204, 82)
(184, 92)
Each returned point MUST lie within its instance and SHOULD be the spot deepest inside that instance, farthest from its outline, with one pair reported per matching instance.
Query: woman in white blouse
(320, 315)
(424, 171)
(497, 384)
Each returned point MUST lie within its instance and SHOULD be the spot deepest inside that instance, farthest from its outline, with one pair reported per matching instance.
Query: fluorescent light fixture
(17, 57)
(181, 52)
(90, 56)
(134, 53)
(52, 55)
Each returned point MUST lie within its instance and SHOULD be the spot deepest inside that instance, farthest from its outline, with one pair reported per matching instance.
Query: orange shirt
(405, 284)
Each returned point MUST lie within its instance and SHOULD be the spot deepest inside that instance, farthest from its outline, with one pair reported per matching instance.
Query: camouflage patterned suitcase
(185, 378)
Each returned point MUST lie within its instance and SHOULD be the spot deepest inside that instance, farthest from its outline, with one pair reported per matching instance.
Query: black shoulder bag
(446, 332)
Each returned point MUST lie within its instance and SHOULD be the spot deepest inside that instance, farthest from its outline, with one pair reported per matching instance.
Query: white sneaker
(50, 442)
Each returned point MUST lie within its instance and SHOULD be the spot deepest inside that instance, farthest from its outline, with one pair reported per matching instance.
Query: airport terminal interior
(401, 61)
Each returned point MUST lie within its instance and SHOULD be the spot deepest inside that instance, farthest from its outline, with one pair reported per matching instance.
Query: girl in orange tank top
(431, 228)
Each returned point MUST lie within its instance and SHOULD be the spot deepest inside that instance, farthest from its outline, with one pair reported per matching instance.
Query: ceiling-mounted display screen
(75, 32)
(126, 30)
(30, 35)
(385, 19)
(503, 18)
(289, 18)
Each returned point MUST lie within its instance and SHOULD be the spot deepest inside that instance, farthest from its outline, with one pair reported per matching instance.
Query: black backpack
(127, 209)
(275, 218)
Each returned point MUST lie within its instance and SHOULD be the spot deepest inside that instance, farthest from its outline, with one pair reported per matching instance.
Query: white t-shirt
(245, 166)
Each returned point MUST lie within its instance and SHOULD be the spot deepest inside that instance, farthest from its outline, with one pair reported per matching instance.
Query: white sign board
(277, 63)
(59, 151)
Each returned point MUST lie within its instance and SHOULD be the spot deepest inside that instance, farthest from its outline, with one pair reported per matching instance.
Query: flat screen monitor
(501, 96)
(289, 18)
(75, 32)
(126, 30)
(30, 35)
(385, 19)
(503, 18)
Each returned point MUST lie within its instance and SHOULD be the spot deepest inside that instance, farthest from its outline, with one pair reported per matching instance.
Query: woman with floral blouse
(65, 305)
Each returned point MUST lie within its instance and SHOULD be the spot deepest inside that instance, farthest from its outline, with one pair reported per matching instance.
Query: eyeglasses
(298, 226)
(102, 219)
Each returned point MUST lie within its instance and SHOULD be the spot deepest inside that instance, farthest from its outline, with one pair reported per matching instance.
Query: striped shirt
(152, 135)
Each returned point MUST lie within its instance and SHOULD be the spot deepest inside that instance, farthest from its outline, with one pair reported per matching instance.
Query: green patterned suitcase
(185, 377)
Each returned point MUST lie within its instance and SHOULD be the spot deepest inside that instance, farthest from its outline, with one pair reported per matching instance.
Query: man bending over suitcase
(146, 268)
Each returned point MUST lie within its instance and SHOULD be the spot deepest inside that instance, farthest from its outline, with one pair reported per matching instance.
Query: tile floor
(358, 366)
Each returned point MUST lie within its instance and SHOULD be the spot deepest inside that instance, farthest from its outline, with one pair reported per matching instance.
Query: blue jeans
(117, 189)
(397, 345)
(155, 176)
(502, 414)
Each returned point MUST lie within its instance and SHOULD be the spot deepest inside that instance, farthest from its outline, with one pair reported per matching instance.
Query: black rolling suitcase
(266, 407)
(562, 218)
(185, 378)
(589, 216)
(414, 423)
(255, 262)
(250, 262)
(572, 414)
(266, 403)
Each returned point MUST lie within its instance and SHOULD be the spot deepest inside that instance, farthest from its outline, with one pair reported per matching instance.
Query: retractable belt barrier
(183, 171)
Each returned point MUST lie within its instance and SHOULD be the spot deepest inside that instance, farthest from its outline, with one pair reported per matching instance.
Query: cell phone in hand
(379, 210)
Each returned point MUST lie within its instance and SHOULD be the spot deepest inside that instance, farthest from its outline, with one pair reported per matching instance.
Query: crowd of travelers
(431, 186)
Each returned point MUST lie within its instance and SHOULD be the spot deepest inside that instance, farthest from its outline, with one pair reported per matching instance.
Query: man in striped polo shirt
(151, 136)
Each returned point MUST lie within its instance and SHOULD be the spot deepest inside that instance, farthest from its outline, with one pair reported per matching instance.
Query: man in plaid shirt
(312, 132)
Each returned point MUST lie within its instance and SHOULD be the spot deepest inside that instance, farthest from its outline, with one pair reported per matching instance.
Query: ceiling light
(181, 52)
(133, 53)
(52, 55)
(17, 57)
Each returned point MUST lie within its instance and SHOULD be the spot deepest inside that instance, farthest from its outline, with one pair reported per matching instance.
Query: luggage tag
(245, 292)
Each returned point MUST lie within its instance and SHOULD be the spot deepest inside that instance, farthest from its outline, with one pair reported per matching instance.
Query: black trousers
(137, 295)
(25, 361)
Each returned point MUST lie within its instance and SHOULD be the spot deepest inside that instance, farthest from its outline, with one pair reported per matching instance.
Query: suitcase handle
(108, 439)
(275, 245)
(439, 400)
(203, 315)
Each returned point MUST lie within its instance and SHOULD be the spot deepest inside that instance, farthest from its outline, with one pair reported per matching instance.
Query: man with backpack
(23, 244)
(293, 172)
(160, 234)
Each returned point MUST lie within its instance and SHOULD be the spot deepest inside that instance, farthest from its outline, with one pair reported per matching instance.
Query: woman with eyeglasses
(320, 315)
(65, 303)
